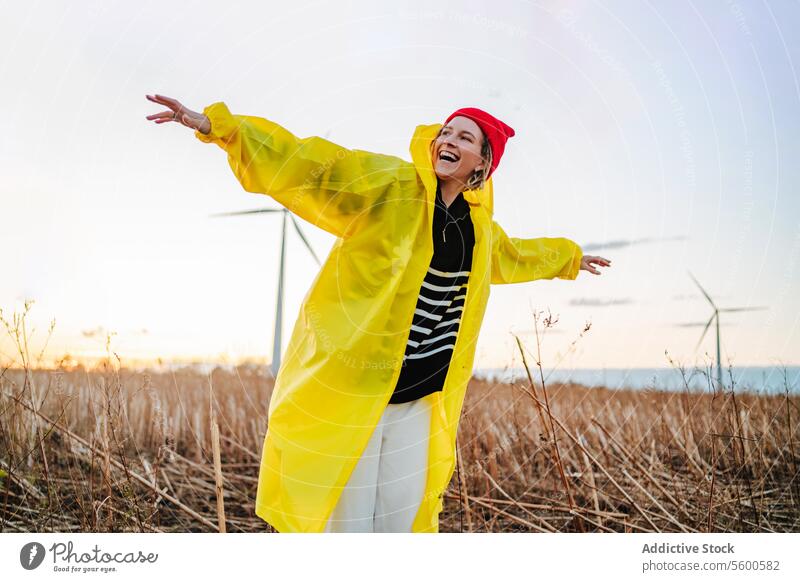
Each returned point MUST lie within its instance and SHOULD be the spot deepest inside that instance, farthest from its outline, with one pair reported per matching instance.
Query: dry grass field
(110, 449)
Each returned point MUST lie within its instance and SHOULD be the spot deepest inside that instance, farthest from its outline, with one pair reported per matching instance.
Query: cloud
(622, 243)
(98, 331)
(592, 302)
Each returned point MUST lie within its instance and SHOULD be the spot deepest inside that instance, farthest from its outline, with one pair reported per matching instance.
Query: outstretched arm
(334, 188)
(328, 185)
(518, 260)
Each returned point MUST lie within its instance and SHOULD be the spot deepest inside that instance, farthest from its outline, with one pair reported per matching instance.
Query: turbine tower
(715, 317)
(276, 336)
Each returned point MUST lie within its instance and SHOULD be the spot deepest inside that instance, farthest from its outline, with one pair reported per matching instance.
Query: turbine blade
(703, 290)
(704, 331)
(241, 212)
(744, 308)
(305, 241)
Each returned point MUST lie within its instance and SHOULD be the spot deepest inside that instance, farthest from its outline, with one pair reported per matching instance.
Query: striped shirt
(437, 316)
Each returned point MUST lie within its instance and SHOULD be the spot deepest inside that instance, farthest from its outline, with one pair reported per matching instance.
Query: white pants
(386, 487)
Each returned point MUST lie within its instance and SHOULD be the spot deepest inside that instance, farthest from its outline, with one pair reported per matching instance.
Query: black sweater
(440, 304)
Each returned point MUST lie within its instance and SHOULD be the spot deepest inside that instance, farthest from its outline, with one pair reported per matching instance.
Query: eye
(468, 138)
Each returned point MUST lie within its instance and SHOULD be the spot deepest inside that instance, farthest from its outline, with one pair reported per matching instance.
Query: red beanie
(495, 130)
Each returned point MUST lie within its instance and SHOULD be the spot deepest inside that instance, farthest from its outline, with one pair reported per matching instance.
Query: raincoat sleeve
(518, 260)
(326, 184)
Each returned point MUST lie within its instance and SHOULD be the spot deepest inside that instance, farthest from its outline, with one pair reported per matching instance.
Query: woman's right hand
(179, 113)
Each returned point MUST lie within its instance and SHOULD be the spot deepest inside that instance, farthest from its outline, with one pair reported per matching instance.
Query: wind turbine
(715, 316)
(276, 337)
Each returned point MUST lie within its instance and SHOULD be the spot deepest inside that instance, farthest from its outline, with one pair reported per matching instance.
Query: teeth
(448, 156)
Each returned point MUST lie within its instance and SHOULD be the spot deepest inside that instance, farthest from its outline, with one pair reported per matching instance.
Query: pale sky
(671, 128)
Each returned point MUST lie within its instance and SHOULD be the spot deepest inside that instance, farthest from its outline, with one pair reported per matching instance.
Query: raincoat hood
(346, 348)
(421, 155)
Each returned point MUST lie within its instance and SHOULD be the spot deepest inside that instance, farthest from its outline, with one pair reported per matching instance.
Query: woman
(364, 413)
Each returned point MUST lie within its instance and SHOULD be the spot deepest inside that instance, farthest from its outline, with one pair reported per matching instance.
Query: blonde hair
(478, 177)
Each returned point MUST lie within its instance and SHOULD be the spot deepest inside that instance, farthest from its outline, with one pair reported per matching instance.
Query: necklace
(445, 226)
(447, 214)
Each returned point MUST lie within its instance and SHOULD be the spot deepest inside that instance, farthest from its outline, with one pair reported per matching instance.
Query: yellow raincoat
(348, 342)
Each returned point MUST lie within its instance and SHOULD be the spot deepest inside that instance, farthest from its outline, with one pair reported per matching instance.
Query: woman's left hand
(588, 260)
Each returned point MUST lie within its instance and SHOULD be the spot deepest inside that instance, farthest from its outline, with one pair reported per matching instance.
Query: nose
(448, 141)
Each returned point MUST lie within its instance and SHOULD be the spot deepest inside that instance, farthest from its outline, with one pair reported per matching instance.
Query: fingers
(599, 261)
(173, 104)
(161, 115)
(589, 260)
(156, 100)
(166, 116)
(168, 101)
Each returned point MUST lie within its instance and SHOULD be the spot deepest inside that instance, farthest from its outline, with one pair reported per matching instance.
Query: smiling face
(456, 152)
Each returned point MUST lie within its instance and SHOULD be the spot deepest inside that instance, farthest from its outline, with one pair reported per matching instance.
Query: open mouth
(448, 156)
